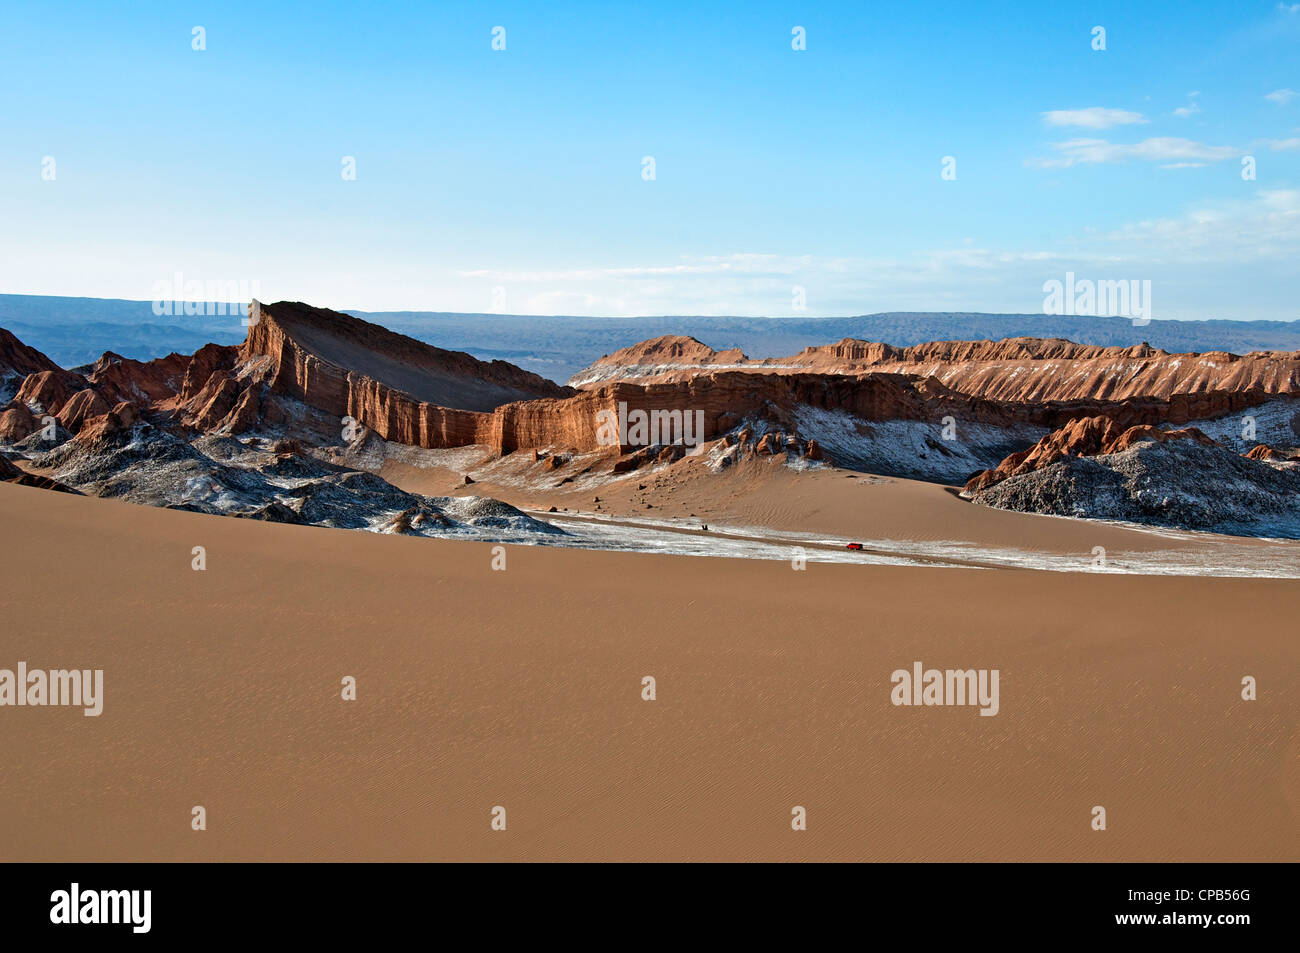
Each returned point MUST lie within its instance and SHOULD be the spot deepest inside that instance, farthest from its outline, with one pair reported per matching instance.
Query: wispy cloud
(1281, 96)
(1192, 107)
(1094, 117)
(1282, 145)
(1264, 227)
(711, 267)
(1245, 244)
(1161, 149)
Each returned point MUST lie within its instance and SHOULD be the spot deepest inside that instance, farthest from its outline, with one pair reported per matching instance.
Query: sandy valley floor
(522, 688)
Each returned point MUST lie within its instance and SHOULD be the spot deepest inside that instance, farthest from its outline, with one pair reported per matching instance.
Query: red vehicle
(853, 546)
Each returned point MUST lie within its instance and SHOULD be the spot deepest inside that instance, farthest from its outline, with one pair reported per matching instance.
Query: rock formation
(309, 379)
(1084, 437)
(1015, 370)
(17, 358)
(1182, 483)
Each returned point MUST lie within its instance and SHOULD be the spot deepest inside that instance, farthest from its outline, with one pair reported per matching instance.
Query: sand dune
(838, 504)
(521, 688)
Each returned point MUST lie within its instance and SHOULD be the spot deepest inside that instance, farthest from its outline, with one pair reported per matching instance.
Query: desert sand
(763, 492)
(522, 688)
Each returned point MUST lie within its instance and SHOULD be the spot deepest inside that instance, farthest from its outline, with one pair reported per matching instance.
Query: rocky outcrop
(1084, 437)
(246, 412)
(336, 364)
(1029, 369)
(402, 389)
(12, 474)
(142, 383)
(416, 518)
(105, 429)
(79, 408)
(19, 360)
(721, 399)
(208, 408)
(50, 390)
(1180, 483)
(16, 423)
(657, 358)
(324, 358)
(75, 398)
(668, 349)
(1266, 453)
(208, 360)
(45, 483)
(273, 512)
(1014, 370)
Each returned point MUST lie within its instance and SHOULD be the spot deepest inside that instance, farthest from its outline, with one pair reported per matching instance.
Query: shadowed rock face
(325, 357)
(12, 474)
(133, 461)
(17, 361)
(17, 358)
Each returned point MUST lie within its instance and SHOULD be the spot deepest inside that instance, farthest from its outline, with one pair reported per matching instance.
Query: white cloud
(1241, 232)
(1183, 165)
(587, 274)
(1165, 148)
(1281, 96)
(1226, 259)
(561, 301)
(1192, 107)
(1094, 117)
(1282, 145)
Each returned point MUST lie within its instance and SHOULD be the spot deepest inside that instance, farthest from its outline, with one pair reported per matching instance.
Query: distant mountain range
(76, 331)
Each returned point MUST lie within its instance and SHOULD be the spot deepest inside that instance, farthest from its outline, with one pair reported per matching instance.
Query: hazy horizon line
(663, 315)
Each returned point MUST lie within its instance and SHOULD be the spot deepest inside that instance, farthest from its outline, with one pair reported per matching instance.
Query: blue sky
(513, 180)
